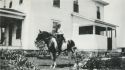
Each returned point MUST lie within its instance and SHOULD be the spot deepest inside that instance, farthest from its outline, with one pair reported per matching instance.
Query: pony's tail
(71, 43)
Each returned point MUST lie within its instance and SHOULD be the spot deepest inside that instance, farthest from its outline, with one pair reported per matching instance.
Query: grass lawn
(44, 64)
(62, 64)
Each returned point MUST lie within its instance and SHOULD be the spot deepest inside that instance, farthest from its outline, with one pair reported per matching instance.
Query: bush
(97, 62)
(15, 60)
(10, 54)
(114, 62)
(94, 62)
(36, 53)
(123, 63)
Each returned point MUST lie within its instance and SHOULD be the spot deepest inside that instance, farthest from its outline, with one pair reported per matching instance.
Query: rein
(41, 43)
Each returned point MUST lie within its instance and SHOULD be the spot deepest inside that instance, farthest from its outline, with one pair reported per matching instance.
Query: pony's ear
(40, 31)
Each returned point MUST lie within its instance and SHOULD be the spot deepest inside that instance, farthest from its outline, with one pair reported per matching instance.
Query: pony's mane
(45, 33)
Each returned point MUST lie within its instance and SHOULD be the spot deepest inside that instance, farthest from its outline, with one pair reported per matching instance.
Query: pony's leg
(51, 58)
(58, 55)
(69, 57)
(54, 64)
(54, 60)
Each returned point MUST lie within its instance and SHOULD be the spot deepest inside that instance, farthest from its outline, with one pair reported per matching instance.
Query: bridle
(42, 41)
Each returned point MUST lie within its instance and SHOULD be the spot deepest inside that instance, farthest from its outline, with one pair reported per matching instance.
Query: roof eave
(102, 2)
(105, 23)
(12, 12)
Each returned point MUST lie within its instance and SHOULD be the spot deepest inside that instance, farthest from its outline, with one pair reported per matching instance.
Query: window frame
(18, 30)
(98, 12)
(100, 30)
(56, 3)
(10, 4)
(85, 28)
(20, 2)
(75, 6)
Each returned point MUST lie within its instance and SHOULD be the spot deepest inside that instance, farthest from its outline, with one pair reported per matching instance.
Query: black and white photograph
(62, 35)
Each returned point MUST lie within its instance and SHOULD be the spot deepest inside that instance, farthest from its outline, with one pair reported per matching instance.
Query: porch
(98, 35)
(10, 28)
(93, 34)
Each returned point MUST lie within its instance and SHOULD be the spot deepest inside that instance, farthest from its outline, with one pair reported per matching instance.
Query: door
(109, 43)
(109, 39)
(10, 34)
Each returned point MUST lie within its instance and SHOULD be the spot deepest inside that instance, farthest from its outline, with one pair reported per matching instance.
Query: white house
(81, 20)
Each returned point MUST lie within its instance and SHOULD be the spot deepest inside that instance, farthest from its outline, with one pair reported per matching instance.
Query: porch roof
(12, 13)
(105, 23)
(94, 20)
(101, 2)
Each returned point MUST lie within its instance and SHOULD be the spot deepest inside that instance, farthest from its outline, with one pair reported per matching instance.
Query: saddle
(59, 38)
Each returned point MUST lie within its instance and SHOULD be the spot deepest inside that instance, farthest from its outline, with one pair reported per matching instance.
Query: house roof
(102, 2)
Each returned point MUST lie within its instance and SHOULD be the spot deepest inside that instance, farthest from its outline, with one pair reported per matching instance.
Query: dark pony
(55, 44)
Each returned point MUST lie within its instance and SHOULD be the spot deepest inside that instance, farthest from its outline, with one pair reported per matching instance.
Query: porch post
(0, 33)
(94, 29)
(111, 33)
(4, 4)
(0, 28)
(7, 35)
(115, 33)
(107, 31)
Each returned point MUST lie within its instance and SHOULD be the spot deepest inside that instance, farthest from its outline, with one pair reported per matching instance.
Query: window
(100, 30)
(18, 30)
(2, 34)
(75, 6)
(56, 3)
(20, 2)
(55, 26)
(10, 5)
(98, 13)
(86, 30)
(110, 32)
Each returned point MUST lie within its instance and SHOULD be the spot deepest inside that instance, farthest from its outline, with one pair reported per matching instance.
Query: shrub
(94, 62)
(114, 62)
(15, 60)
(97, 63)
(36, 53)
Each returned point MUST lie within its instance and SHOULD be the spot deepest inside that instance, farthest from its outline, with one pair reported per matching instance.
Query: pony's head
(43, 36)
(74, 48)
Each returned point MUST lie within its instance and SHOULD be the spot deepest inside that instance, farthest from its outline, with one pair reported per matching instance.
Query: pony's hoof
(51, 66)
(54, 67)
